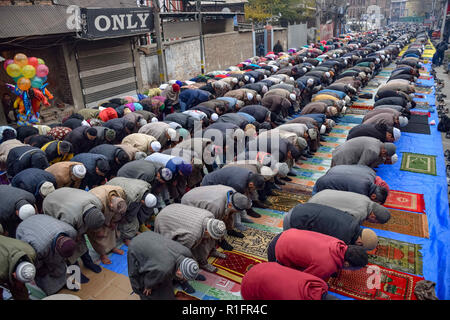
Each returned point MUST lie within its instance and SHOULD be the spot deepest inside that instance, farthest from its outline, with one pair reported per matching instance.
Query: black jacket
(256, 111)
(368, 130)
(326, 220)
(21, 158)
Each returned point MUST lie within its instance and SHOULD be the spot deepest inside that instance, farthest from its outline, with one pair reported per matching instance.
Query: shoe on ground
(208, 267)
(217, 254)
(253, 214)
(232, 233)
(225, 245)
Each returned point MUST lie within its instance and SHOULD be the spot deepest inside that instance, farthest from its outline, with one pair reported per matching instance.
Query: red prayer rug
(375, 283)
(405, 201)
(235, 265)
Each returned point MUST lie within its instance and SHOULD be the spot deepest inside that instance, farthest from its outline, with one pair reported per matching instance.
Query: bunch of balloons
(30, 77)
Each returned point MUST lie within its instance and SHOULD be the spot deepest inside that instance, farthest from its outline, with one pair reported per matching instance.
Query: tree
(282, 11)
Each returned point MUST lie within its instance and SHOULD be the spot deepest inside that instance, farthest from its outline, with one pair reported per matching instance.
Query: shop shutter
(106, 69)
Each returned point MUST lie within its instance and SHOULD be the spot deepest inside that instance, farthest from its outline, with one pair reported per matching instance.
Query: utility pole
(318, 19)
(444, 19)
(202, 54)
(159, 45)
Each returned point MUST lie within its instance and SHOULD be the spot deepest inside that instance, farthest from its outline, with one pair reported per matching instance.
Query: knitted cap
(189, 268)
(403, 121)
(64, 146)
(150, 200)
(25, 272)
(214, 117)
(282, 169)
(312, 134)
(332, 110)
(79, 171)
(139, 155)
(118, 205)
(93, 218)
(302, 143)
(390, 148)
(369, 239)
(166, 174)
(266, 172)
(240, 202)
(156, 146)
(110, 134)
(26, 211)
(65, 246)
(383, 215)
(175, 87)
(172, 134)
(216, 228)
(46, 188)
(394, 159)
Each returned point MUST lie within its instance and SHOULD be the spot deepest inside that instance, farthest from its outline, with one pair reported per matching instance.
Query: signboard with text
(115, 22)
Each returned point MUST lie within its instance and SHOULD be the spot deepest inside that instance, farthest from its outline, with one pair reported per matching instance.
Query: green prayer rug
(398, 255)
(419, 163)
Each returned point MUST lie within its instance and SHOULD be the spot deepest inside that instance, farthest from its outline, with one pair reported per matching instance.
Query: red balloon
(33, 61)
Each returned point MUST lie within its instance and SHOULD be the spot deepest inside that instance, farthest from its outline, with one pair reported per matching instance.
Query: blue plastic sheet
(436, 258)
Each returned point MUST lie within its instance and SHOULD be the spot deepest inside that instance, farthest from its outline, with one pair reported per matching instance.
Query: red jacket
(272, 281)
(311, 252)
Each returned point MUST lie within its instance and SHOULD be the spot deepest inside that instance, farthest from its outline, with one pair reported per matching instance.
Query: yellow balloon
(13, 70)
(21, 59)
(24, 84)
(28, 71)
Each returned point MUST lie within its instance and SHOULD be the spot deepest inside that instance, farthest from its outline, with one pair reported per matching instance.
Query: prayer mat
(362, 105)
(313, 167)
(293, 188)
(308, 175)
(398, 255)
(375, 283)
(417, 128)
(402, 200)
(254, 243)
(404, 222)
(423, 90)
(330, 144)
(347, 126)
(315, 161)
(351, 119)
(419, 163)
(323, 155)
(337, 135)
(420, 119)
(286, 201)
(422, 106)
(421, 113)
(270, 220)
(297, 181)
(358, 111)
(235, 265)
(334, 140)
(206, 292)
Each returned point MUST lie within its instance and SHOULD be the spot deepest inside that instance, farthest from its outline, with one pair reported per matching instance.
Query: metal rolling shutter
(106, 69)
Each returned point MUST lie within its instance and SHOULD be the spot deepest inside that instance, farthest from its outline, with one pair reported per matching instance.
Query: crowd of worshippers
(137, 172)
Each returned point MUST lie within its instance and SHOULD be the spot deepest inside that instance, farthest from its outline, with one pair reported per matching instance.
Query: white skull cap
(154, 119)
(26, 211)
(293, 97)
(150, 200)
(249, 96)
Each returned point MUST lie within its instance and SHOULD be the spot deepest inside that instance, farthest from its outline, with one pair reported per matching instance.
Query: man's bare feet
(118, 251)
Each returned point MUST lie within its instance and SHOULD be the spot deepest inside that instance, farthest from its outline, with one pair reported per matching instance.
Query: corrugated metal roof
(19, 21)
(98, 3)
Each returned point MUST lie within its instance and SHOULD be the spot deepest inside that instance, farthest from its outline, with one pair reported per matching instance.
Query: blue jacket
(191, 97)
